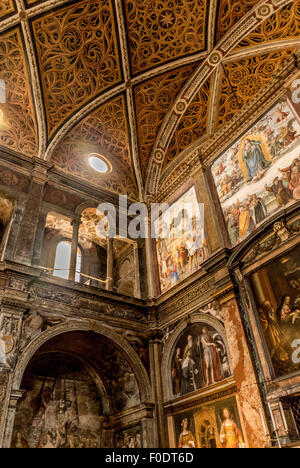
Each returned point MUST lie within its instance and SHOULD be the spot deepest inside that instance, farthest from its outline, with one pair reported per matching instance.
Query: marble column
(30, 220)
(110, 264)
(74, 249)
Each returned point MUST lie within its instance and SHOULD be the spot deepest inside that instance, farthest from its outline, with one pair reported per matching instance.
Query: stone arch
(72, 326)
(170, 347)
(85, 325)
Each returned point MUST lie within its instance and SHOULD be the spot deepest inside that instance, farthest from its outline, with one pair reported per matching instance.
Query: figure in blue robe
(254, 158)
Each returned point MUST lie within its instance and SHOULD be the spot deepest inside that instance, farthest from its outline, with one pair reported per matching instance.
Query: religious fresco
(60, 409)
(260, 173)
(130, 438)
(212, 426)
(181, 243)
(276, 289)
(200, 359)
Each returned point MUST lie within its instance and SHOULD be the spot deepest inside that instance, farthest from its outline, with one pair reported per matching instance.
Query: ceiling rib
(129, 97)
(35, 81)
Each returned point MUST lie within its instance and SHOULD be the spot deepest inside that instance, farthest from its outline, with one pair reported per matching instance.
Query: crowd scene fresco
(212, 426)
(129, 438)
(182, 251)
(59, 412)
(200, 359)
(277, 293)
(260, 174)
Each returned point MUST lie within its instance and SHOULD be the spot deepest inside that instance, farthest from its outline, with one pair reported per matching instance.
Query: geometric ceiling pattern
(248, 77)
(103, 132)
(17, 118)
(229, 13)
(135, 81)
(6, 8)
(284, 24)
(159, 30)
(78, 58)
(153, 99)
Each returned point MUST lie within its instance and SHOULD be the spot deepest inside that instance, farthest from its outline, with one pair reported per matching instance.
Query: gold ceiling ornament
(163, 30)
(284, 24)
(18, 126)
(247, 77)
(153, 99)
(78, 57)
(193, 125)
(230, 12)
(105, 132)
(6, 8)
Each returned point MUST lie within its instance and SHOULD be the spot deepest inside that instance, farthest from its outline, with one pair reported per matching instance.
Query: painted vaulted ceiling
(137, 81)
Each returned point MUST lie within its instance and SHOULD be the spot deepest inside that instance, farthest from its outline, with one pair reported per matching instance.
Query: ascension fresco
(183, 249)
(211, 426)
(200, 359)
(260, 173)
(61, 409)
(276, 289)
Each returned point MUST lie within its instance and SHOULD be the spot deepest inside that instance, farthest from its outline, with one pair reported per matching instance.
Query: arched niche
(62, 340)
(194, 327)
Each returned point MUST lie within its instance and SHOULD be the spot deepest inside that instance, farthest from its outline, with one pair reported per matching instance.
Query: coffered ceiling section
(163, 30)
(6, 8)
(284, 24)
(135, 81)
(103, 132)
(17, 119)
(153, 99)
(229, 13)
(78, 57)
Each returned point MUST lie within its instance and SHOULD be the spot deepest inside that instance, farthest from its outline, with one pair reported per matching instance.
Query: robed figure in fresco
(211, 360)
(186, 439)
(230, 435)
(253, 157)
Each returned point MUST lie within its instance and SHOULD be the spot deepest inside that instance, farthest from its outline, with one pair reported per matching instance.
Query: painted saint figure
(186, 438)
(211, 361)
(254, 158)
(230, 435)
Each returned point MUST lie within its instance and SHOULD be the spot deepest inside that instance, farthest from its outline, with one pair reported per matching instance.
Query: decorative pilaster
(39, 240)
(13, 234)
(150, 255)
(156, 378)
(74, 249)
(110, 264)
(137, 286)
(249, 396)
(215, 230)
(30, 221)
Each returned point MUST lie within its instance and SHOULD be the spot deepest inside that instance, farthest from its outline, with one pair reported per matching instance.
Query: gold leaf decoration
(284, 24)
(153, 100)
(230, 12)
(193, 125)
(17, 119)
(105, 132)
(247, 76)
(6, 8)
(78, 57)
(163, 30)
